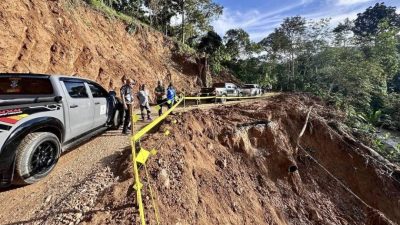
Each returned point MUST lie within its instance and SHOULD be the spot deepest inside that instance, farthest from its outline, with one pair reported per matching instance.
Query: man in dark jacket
(127, 101)
(160, 96)
(143, 96)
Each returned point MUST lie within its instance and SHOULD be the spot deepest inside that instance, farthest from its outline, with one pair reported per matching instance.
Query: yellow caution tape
(140, 186)
(248, 97)
(155, 122)
(223, 97)
(142, 156)
(198, 98)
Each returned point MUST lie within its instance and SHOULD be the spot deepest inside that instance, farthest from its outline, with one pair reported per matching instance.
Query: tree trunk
(204, 75)
(183, 21)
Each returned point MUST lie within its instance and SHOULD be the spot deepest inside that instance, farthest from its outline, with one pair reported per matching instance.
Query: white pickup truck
(41, 116)
(251, 90)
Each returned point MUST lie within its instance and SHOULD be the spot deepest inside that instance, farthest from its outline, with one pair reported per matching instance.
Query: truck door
(100, 104)
(80, 107)
(229, 90)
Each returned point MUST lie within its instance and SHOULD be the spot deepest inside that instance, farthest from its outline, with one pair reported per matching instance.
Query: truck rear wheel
(37, 155)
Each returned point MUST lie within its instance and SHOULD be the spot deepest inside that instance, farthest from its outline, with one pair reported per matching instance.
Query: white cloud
(336, 15)
(258, 24)
(351, 2)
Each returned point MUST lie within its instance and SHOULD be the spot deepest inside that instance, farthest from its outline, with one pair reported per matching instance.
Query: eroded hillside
(239, 164)
(58, 37)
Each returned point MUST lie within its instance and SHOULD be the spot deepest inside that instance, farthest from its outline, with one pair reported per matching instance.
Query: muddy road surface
(72, 187)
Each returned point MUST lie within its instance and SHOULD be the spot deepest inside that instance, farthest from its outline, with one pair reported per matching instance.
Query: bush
(392, 110)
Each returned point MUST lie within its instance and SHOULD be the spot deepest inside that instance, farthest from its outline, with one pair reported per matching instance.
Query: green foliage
(218, 58)
(374, 118)
(210, 43)
(392, 109)
(184, 49)
(238, 44)
(109, 11)
(367, 25)
(390, 153)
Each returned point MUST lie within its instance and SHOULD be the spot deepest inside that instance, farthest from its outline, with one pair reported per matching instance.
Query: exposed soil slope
(230, 165)
(57, 37)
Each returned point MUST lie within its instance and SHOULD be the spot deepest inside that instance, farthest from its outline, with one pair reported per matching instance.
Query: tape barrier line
(155, 122)
(224, 97)
(144, 155)
(133, 141)
(137, 182)
(197, 98)
(247, 97)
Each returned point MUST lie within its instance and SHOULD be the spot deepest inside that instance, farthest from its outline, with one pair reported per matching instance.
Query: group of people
(162, 96)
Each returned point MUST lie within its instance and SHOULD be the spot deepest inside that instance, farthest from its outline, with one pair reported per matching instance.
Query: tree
(288, 42)
(197, 16)
(238, 44)
(366, 26)
(343, 32)
(161, 13)
(132, 8)
(209, 44)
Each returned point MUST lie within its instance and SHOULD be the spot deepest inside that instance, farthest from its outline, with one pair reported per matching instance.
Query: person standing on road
(127, 101)
(171, 93)
(143, 96)
(160, 96)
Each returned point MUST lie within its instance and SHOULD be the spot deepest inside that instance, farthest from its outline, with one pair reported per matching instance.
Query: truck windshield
(25, 86)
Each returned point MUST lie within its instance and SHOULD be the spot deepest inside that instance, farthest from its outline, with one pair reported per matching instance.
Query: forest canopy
(354, 65)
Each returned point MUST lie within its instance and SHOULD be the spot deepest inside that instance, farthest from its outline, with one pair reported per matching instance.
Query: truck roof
(41, 76)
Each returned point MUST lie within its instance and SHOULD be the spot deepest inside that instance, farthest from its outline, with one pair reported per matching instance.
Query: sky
(260, 17)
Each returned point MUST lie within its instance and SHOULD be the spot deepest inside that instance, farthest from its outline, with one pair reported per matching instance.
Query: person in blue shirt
(171, 93)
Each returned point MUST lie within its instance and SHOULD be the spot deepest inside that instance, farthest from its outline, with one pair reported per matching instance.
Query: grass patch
(110, 12)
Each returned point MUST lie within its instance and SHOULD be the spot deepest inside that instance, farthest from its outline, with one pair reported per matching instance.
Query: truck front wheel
(223, 99)
(37, 155)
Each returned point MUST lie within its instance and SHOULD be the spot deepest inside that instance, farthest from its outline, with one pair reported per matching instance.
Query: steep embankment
(237, 165)
(58, 37)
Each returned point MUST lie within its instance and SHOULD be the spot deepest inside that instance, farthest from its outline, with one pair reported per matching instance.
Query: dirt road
(72, 188)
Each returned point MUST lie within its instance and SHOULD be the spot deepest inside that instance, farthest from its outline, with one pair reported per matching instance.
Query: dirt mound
(60, 37)
(239, 165)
